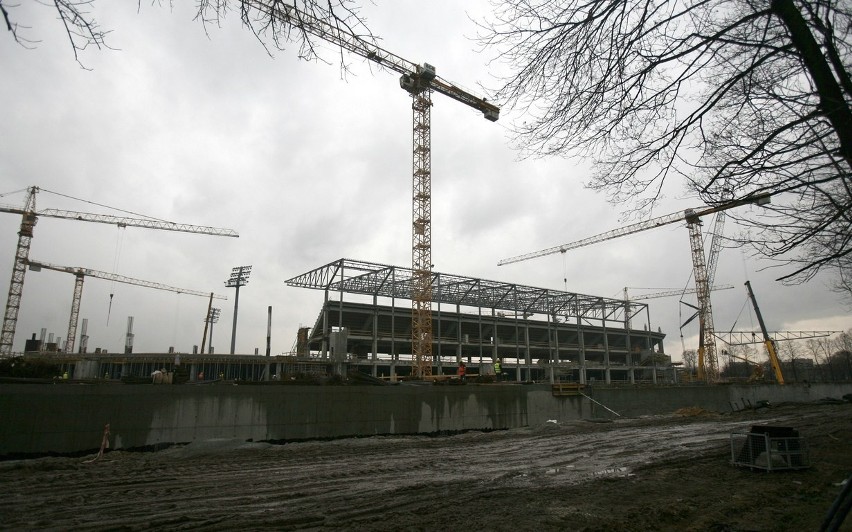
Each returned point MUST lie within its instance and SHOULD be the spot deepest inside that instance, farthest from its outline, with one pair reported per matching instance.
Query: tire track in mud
(375, 482)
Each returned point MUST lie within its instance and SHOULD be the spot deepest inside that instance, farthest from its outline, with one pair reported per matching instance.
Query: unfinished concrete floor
(656, 473)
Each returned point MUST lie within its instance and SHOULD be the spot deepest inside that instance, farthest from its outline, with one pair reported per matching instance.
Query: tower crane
(419, 81)
(669, 293)
(708, 365)
(80, 273)
(29, 217)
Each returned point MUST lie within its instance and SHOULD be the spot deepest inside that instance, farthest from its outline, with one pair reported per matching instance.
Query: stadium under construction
(537, 334)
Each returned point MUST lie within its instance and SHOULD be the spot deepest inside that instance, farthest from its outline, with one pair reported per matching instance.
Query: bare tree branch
(721, 95)
(83, 30)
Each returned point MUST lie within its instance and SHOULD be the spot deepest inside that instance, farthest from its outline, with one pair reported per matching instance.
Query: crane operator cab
(417, 82)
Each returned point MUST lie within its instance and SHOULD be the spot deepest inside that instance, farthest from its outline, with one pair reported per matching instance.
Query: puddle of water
(612, 472)
(554, 470)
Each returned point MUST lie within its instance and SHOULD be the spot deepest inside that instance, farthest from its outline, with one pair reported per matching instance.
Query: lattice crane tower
(419, 81)
(708, 365)
(81, 273)
(25, 235)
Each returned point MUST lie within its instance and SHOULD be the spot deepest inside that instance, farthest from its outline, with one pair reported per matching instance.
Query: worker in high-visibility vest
(461, 371)
(497, 370)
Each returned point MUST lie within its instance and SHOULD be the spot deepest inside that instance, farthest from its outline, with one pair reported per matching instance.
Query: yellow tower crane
(708, 365)
(80, 273)
(30, 216)
(419, 81)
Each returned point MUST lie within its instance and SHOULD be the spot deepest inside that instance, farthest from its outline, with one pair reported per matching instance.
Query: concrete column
(494, 341)
(480, 341)
(555, 360)
(375, 344)
(324, 345)
(528, 354)
(393, 339)
(627, 341)
(581, 339)
(550, 348)
(607, 372)
(438, 336)
(459, 352)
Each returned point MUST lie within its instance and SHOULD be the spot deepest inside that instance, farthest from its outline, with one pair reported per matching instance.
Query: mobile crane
(767, 341)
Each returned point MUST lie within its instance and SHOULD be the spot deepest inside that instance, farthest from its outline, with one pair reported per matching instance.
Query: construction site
(386, 324)
(416, 398)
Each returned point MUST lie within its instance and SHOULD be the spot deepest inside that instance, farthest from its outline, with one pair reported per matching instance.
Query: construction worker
(497, 374)
(461, 371)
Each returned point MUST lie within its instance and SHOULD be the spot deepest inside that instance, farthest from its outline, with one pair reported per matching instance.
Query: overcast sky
(308, 168)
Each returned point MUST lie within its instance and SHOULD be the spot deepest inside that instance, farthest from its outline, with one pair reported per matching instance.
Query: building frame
(537, 333)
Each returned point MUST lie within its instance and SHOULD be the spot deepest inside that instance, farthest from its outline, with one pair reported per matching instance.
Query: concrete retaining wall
(69, 418)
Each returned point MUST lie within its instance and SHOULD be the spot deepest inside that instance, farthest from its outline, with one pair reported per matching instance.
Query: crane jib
(421, 77)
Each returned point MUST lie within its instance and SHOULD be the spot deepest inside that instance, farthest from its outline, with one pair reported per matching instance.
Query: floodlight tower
(239, 277)
(212, 317)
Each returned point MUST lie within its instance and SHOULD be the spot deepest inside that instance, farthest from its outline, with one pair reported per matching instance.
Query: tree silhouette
(727, 96)
(273, 33)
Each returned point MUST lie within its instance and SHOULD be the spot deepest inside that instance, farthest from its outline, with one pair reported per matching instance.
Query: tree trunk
(832, 103)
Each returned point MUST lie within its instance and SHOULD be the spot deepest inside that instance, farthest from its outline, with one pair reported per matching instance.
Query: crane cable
(4, 194)
(119, 241)
(104, 206)
(176, 319)
(745, 274)
(680, 313)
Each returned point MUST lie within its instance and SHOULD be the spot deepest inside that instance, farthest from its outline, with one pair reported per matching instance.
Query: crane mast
(708, 361)
(80, 273)
(19, 270)
(29, 217)
(419, 81)
(708, 366)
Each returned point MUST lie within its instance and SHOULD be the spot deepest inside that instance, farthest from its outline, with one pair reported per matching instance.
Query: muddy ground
(656, 473)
